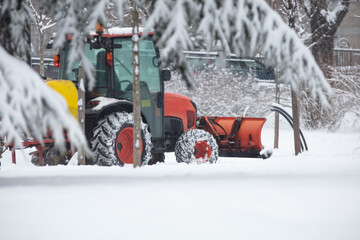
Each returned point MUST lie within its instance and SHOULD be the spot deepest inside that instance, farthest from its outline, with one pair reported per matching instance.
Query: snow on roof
(120, 31)
(117, 31)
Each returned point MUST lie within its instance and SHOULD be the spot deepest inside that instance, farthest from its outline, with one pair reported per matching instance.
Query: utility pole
(136, 87)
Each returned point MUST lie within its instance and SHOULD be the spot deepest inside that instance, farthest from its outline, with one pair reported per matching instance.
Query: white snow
(104, 101)
(313, 196)
(137, 143)
(135, 37)
(80, 102)
(81, 85)
(333, 11)
(136, 71)
(119, 31)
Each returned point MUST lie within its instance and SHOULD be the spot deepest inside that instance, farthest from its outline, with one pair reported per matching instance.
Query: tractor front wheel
(112, 141)
(196, 145)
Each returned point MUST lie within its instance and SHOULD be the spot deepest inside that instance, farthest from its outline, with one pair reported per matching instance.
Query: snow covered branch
(15, 19)
(29, 108)
(43, 22)
(244, 27)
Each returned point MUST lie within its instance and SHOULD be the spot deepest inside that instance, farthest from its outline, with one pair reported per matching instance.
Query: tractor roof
(113, 32)
(119, 32)
(108, 33)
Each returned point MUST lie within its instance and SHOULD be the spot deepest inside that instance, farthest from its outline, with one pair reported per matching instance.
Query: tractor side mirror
(166, 75)
(50, 44)
(95, 43)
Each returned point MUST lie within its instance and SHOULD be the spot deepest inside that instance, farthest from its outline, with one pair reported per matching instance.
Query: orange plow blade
(236, 136)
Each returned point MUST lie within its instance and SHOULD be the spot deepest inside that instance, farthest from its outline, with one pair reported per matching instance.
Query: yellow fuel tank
(68, 90)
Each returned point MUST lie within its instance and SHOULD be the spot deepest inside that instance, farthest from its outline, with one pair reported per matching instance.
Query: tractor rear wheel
(196, 145)
(112, 141)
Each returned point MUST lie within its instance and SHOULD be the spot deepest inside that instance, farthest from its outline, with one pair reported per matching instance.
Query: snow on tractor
(169, 121)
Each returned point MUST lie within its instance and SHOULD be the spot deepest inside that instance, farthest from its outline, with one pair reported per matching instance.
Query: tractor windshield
(149, 71)
(96, 57)
(151, 87)
(118, 83)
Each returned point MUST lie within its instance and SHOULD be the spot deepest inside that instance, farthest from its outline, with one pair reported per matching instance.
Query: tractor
(169, 120)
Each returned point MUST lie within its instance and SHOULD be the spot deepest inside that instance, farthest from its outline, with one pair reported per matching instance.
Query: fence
(346, 57)
(255, 67)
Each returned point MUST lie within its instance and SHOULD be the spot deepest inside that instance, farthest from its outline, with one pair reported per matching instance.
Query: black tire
(51, 157)
(185, 147)
(36, 161)
(157, 158)
(108, 149)
(266, 153)
(161, 157)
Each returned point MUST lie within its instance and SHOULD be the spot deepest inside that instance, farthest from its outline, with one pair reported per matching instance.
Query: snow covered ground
(313, 196)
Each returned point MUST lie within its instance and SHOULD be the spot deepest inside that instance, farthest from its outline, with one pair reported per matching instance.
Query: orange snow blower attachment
(236, 136)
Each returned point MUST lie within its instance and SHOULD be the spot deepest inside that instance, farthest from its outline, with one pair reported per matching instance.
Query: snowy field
(313, 196)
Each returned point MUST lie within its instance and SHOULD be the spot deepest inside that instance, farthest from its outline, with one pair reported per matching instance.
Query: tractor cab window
(97, 58)
(149, 72)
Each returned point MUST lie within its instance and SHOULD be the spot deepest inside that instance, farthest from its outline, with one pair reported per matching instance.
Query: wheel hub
(124, 145)
(119, 146)
(202, 151)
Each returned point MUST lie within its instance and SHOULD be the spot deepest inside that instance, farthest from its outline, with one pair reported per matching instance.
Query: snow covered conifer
(243, 27)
